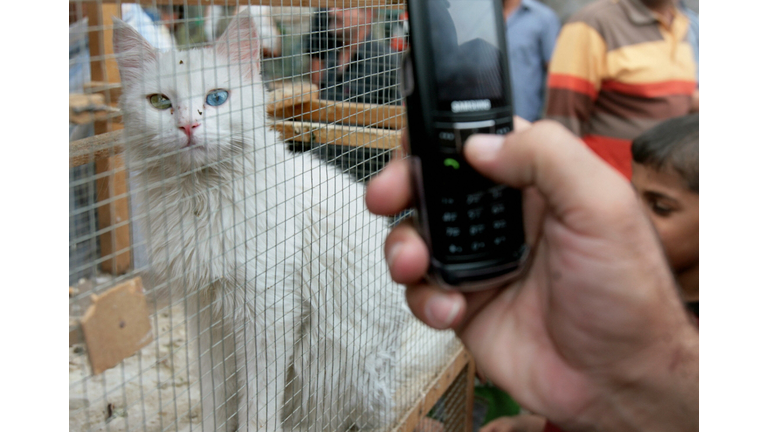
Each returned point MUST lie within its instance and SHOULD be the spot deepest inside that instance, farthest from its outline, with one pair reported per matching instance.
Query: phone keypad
(481, 227)
(473, 222)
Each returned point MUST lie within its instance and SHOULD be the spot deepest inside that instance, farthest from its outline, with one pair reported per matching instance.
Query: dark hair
(671, 144)
(321, 41)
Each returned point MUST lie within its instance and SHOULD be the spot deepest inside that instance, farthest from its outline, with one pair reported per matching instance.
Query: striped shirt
(617, 71)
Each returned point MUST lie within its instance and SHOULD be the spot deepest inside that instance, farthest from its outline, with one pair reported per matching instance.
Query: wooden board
(113, 215)
(95, 148)
(352, 136)
(469, 402)
(111, 179)
(438, 387)
(89, 108)
(324, 111)
(110, 144)
(111, 90)
(302, 102)
(103, 64)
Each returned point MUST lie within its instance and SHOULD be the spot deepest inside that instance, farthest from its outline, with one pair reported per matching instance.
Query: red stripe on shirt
(617, 152)
(651, 90)
(573, 83)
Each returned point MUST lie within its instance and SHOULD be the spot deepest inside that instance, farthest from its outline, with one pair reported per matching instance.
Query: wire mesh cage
(224, 271)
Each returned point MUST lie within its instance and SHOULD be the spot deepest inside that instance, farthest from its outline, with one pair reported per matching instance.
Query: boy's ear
(240, 43)
(131, 49)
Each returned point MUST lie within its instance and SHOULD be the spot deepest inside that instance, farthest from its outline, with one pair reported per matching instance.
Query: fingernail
(440, 311)
(392, 253)
(484, 147)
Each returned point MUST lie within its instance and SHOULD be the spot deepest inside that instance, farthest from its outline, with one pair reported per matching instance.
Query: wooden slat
(352, 136)
(115, 243)
(302, 102)
(100, 44)
(109, 144)
(436, 389)
(89, 108)
(469, 394)
(325, 111)
(114, 89)
(304, 3)
(94, 148)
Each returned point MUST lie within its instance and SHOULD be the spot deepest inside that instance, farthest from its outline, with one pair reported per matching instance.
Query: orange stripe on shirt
(573, 83)
(651, 90)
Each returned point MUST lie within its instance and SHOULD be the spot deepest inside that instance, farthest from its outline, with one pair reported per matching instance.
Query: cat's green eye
(159, 101)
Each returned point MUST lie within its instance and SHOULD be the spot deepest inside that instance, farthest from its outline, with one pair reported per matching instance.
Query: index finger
(389, 192)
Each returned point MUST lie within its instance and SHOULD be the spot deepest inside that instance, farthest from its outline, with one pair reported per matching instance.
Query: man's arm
(548, 40)
(575, 74)
(316, 66)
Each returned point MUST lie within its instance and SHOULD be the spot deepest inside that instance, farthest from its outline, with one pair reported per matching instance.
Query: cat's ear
(131, 49)
(240, 43)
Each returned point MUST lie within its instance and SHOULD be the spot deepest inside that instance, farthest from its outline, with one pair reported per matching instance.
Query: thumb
(569, 176)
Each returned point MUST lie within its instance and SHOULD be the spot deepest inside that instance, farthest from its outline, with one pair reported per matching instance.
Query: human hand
(593, 335)
(518, 423)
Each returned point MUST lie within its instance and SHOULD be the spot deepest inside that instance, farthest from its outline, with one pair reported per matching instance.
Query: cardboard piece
(116, 325)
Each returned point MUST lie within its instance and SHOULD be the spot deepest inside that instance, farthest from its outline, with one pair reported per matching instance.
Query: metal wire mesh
(222, 156)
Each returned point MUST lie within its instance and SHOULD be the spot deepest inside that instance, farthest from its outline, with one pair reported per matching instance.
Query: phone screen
(466, 53)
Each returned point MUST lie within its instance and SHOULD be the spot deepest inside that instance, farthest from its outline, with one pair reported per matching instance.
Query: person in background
(619, 68)
(216, 19)
(355, 66)
(531, 30)
(665, 174)
(319, 43)
(693, 37)
(149, 23)
(693, 32)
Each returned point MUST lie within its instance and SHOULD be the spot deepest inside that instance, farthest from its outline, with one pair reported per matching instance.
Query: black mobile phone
(456, 83)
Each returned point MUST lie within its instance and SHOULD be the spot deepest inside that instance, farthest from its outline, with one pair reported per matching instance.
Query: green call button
(450, 162)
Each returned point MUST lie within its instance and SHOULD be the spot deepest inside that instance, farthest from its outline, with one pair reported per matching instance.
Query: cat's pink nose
(188, 128)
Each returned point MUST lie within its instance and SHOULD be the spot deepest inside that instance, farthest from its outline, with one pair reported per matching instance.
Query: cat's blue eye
(216, 97)
(159, 101)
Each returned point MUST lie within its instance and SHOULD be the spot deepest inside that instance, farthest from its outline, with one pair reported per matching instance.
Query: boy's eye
(661, 209)
(216, 97)
(159, 101)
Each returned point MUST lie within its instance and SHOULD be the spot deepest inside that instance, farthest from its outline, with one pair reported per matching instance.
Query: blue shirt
(693, 33)
(531, 34)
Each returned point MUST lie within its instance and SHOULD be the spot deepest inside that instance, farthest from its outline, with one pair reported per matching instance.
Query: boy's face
(674, 211)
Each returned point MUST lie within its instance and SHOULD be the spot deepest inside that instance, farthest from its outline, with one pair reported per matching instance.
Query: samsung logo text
(470, 105)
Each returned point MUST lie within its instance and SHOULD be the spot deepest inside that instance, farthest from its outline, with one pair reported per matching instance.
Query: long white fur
(279, 264)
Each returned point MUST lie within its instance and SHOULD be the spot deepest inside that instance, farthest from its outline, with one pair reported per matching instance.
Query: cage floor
(155, 391)
(148, 391)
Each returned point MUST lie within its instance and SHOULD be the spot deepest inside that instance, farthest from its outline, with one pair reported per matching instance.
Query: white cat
(274, 254)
